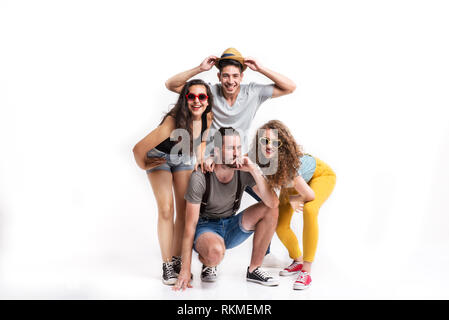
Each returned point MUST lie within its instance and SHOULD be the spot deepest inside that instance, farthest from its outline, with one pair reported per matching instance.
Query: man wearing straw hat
(235, 104)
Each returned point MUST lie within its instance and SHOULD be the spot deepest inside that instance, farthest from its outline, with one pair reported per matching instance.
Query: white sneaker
(271, 261)
(303, 281)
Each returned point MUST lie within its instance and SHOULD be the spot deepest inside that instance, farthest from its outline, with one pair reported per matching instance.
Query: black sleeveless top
(166, 145)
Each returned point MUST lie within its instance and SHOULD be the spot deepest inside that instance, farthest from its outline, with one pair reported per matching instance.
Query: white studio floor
(135, 273)
(139, 278)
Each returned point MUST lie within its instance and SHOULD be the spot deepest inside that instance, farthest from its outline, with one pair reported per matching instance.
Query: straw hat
(232, 54)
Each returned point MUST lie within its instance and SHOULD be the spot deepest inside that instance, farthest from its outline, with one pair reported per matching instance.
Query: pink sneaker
(292, 269)
(303, 282)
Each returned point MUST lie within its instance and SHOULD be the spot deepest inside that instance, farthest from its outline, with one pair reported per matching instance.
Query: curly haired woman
(305, 182)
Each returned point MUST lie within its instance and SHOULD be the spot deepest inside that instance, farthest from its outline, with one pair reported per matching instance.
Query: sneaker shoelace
(177, 262)
(302, 277)
(176, 259)
(262, 274)
(168, 270)
(293, 265)
(209, 271)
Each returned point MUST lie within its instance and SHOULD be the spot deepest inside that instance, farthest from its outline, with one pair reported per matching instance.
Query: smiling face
(230, 78)
(269, 143)
(196, 105)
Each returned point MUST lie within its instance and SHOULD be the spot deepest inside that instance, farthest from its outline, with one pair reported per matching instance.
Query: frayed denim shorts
(175, 162)
(230, 229)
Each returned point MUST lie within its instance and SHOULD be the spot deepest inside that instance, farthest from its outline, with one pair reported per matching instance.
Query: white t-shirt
(241, 114)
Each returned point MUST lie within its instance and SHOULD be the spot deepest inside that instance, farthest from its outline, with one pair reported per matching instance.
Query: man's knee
(213, 254)
(259, 213)
(271, 214)
(212, 251)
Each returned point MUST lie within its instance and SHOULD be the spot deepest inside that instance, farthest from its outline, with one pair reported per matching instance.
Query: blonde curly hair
(288, 155)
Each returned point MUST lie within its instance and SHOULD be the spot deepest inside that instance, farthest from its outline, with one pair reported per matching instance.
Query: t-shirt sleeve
(307, 167)
(196, 188)
(262, 91)
(214, 88)
(247, 179)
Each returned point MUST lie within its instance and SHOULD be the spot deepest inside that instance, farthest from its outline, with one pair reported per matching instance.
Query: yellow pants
(322, 183)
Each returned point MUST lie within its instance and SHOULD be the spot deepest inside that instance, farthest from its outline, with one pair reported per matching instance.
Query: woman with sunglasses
(305, 182)
(169, 166)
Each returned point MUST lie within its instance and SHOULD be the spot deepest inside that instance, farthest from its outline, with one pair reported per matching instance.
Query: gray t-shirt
(241, 114)
(221, 195)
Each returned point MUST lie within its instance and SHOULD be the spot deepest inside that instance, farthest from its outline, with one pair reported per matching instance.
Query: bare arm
(151, 140)
(304, 190)
(201, 149)
(192, 214)
(282, 84)
(177, 82)
(305, 194)
(268, 196)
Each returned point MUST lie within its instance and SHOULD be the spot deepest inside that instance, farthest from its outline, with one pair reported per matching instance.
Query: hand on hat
(208, 63)
(252, 63)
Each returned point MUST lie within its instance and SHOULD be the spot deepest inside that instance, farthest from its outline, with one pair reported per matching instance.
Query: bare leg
(180, 184)
(262, 220)
(211, 249)
(161, 182)
(307, 266)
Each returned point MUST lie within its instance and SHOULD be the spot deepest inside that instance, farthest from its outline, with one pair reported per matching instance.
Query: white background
(82, 81)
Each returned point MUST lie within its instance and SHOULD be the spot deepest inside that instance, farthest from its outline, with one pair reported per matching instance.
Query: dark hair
(228, 131)
(225, 132)
(229, 62)
(181, 113)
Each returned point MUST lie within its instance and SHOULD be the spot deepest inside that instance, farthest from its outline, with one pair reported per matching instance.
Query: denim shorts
(175, 162)
(230, 229)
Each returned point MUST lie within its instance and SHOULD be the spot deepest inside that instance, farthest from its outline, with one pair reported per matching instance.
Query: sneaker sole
(268, 284)
(300, 287)
(286, 274)
(209, 280)
(170, 282)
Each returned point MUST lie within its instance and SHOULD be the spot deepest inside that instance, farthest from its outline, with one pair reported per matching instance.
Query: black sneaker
(169, 277)
(176, 264)
(209, 274)
(261, 277)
